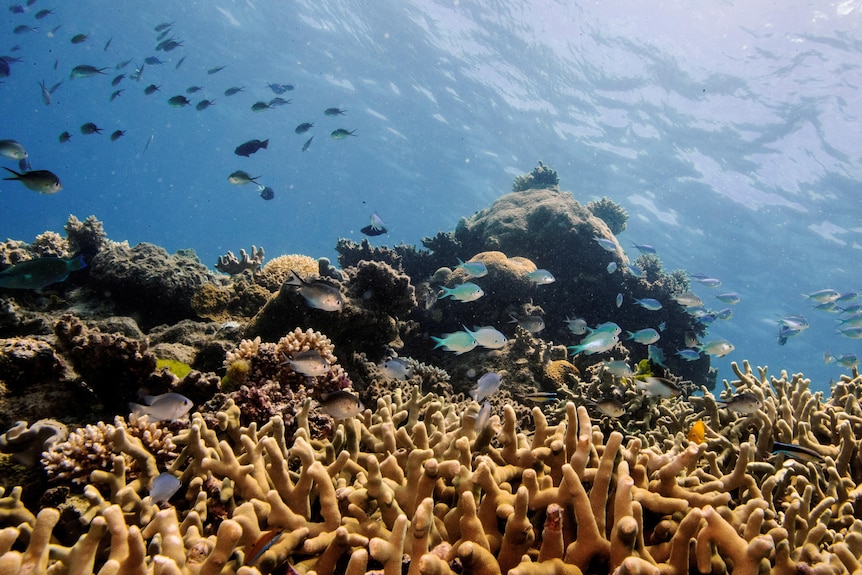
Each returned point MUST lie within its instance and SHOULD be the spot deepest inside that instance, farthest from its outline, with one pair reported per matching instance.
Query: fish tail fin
(137, 409)
(76, 263)
(264, 144)
(295, 281)
(17, 175)
(438, 341)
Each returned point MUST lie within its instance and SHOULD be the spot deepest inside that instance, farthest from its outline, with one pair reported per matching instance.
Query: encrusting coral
(417, 486)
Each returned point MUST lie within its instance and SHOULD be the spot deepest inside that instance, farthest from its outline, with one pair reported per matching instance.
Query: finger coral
(415, 486)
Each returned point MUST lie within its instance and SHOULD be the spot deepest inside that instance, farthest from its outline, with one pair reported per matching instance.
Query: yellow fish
(697, 433)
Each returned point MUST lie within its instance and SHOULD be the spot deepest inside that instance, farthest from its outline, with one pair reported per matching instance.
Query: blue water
(730, 133)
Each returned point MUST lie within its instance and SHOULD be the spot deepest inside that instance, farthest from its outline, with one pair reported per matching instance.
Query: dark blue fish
(267, 193)
(248, 148)
(39, 273)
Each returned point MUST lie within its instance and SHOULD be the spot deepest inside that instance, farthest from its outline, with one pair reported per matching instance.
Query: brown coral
(92, 447)
(278, 270)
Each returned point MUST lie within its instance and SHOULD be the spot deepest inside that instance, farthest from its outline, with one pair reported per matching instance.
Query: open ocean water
(730, 131)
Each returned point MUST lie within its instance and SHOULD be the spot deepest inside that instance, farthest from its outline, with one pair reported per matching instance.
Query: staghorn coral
(232, 265)
(610, 212)
(414, 485)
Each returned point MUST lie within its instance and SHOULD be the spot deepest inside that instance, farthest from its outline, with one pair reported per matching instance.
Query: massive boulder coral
(146, 281)
(418, 486)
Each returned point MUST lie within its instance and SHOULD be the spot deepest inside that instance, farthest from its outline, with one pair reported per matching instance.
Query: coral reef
(92, 447)
(610, 212)
(87, 237)
(147, 281)
(232, 265)
(27, 442)
(542, 177)
(111, 366)
(417, 486)
(376, 294)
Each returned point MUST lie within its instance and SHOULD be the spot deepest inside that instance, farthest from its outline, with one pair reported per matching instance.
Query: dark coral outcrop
(148, 283)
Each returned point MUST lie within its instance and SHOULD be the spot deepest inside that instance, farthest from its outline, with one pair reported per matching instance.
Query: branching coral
(415, 484)
(93, 447)
(230, 264)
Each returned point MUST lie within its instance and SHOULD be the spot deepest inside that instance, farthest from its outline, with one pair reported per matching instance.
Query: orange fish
(697, 433)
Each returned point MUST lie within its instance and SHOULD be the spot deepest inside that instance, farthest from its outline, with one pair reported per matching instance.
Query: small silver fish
(486, 386)
(164, 487)
(541, 277)
(308, 363)
(609, 406)
(41, 181)
(164, 407)
(745, 402)
(531, 323)
(397, 368)
(13, 150)
(488, 337)
(318, 294)
(341, 404)
(658, 387)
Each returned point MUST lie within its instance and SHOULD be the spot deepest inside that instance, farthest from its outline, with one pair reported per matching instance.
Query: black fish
(267, 193)
(250, 147)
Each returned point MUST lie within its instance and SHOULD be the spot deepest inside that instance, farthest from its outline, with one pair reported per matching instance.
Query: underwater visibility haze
(729, 131)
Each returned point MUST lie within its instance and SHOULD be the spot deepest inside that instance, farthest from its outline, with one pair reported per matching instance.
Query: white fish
(541, 277)
(164, 487)
(645, 336)
(596, 342)
(606, 244)
(465, 292)
(165, 407)
(308, 363)
(649, 303)
(658, 387)
(531, 323)
(341, 405)
(488, 385)
(612, 267)
(488, 337)
(577, 326)
(688, 299)
(318, 293)
(397, 368)
(483, 417)
(618, 368)
(718, 348)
